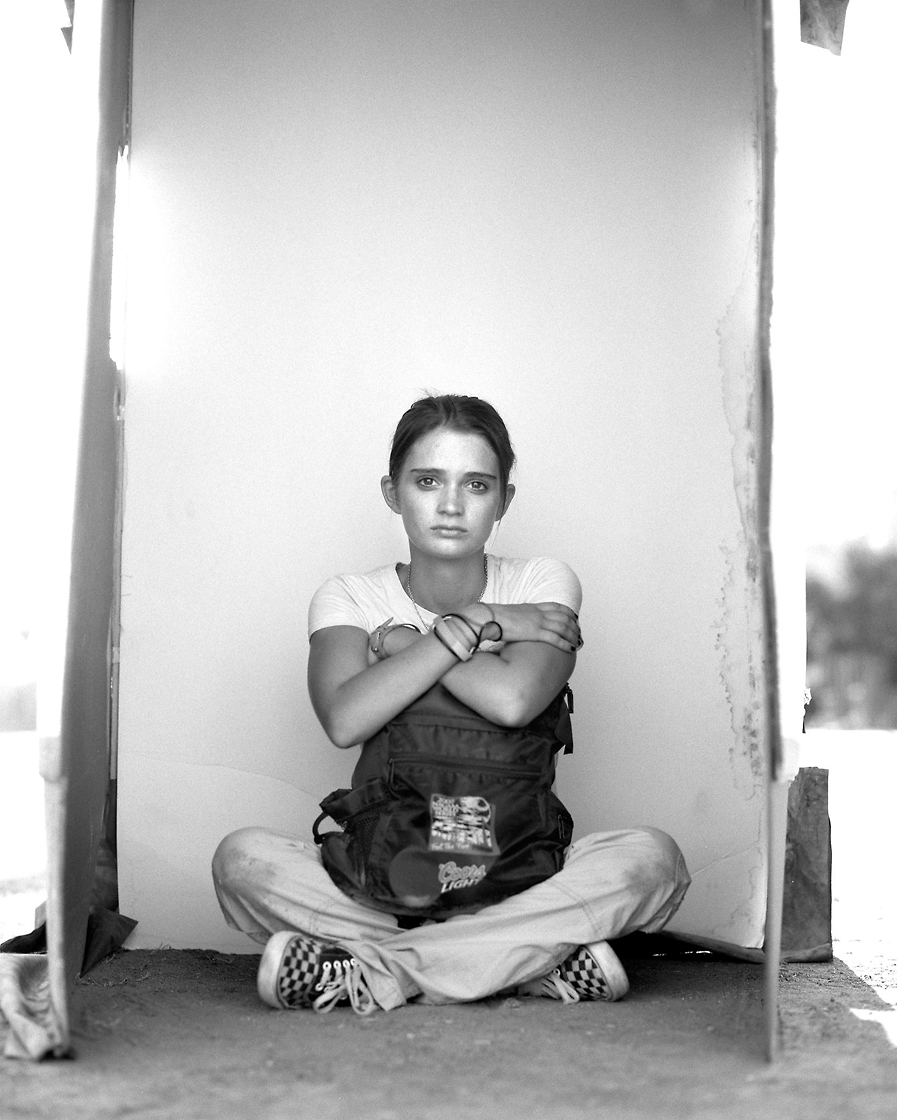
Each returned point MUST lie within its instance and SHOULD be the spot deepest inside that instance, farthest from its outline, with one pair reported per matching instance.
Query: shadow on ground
(182, 1034)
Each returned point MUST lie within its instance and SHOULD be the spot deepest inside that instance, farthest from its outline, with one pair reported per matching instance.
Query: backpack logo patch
(461, 824)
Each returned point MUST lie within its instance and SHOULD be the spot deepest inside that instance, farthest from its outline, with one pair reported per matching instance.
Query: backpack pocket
(439, 838)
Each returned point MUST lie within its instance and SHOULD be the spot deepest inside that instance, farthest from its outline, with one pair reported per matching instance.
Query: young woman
(378, 642)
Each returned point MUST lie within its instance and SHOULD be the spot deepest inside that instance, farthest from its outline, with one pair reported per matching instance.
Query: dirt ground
(172, 1035)
(182, 1034)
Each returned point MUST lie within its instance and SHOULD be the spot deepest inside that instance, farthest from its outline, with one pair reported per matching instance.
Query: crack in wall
(739, 624)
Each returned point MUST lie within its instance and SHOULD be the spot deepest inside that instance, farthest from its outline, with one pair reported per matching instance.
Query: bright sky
(35, 340)
(835, 284)
(835, 287)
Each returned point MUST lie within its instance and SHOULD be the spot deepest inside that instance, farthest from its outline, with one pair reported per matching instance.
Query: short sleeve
(334, 605)
(551, 581)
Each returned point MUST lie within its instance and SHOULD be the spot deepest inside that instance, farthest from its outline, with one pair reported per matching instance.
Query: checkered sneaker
(298, 971)
(592, 972)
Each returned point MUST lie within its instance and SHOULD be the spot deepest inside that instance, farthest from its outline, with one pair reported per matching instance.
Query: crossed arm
(353, 699)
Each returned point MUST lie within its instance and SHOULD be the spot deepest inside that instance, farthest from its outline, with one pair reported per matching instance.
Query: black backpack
(449, 812)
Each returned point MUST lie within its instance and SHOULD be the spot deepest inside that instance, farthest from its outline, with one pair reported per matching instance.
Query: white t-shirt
(368, 600)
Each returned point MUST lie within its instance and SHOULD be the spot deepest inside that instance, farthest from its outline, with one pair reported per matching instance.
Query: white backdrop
(335, 207)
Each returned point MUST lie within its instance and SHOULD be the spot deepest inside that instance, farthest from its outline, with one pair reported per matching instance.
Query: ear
(390, 496)
(510, 491)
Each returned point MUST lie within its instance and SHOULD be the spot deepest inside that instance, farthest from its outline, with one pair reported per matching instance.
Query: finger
(564, 625)
(557, 622)
(552, 606)
(566, 642)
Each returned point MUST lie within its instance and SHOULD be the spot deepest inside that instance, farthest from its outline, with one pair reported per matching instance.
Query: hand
(553, 623)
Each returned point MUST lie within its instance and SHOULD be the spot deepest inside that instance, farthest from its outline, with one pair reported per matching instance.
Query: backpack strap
(564, 729)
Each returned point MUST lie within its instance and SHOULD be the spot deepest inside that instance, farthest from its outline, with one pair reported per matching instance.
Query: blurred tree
(852, 640)
(871, 603)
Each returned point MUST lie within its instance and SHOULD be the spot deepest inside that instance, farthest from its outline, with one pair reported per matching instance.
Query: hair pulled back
(461, 414)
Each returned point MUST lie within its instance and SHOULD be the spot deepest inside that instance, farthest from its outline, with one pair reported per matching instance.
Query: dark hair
(463, 414)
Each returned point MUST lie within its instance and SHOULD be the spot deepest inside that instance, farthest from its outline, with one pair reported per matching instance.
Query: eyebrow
(438, 470)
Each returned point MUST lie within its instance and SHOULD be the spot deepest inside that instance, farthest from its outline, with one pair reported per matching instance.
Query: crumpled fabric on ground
(27, 1019)
(106, 932)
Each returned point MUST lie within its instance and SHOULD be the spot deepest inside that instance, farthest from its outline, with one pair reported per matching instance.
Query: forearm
(509, 688)
(485, 683)
(353, 709)
(512, 687)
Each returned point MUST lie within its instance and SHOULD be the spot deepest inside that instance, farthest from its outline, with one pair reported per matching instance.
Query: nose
(451, 499)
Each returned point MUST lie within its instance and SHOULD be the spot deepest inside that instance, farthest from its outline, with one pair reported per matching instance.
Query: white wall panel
(338, 205)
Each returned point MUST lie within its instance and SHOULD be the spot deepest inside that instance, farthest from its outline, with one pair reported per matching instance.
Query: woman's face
(448, 493)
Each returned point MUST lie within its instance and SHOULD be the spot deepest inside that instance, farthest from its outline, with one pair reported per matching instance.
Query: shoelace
(346, 983)
(556, 983)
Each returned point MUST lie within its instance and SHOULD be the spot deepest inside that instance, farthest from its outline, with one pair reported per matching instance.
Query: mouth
(449, 530)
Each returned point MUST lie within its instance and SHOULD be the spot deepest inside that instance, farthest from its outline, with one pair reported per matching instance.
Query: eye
(426, 482)
(477, 486)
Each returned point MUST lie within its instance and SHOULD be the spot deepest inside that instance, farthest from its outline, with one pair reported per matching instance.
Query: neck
(443, 586)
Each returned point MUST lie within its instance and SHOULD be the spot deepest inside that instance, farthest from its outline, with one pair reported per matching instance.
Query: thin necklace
(424, 623)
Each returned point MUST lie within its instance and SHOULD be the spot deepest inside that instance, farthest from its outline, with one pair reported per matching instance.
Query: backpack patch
(461, 824)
